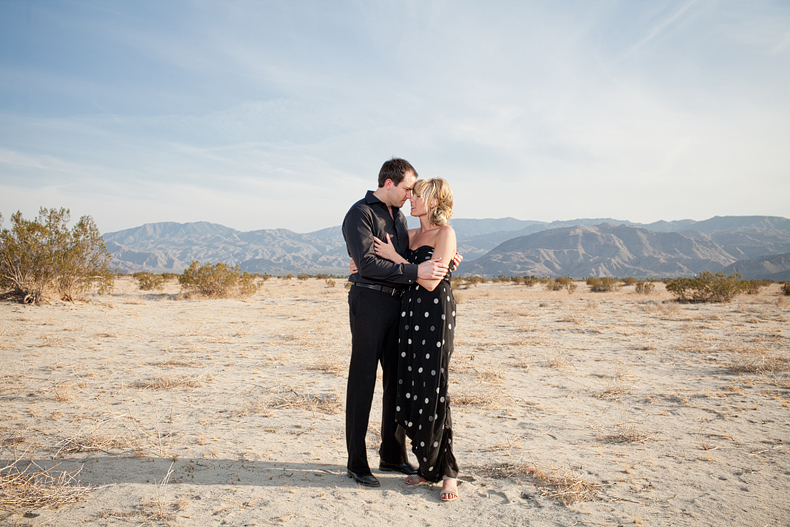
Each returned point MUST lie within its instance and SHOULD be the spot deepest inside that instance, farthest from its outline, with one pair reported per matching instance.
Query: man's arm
(358, 231)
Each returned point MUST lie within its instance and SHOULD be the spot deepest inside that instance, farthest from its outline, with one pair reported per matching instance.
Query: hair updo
(438, 199)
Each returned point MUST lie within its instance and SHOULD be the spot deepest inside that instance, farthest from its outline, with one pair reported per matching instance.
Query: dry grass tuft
(625, 433)
(478, 394)
(562, 485)
(169, 383)
(612, 392)
(293, 400)
(35, 487)
(94, 442)
(330, 362)
(759, 360)
(560, 360)
(177, 363)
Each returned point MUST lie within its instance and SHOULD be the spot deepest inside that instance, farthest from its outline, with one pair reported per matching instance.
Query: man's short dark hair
(394, 169)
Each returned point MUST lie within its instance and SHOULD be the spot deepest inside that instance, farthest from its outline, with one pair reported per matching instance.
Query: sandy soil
(229, 412)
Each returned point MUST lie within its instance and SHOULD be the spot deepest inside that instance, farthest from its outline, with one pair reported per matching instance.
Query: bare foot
(414, 479)
(449, 489)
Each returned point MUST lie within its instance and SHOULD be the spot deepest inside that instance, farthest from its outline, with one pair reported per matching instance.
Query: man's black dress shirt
(370, 217)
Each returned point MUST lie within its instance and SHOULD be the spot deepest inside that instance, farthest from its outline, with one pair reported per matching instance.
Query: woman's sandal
(415, 479)
(449, 495)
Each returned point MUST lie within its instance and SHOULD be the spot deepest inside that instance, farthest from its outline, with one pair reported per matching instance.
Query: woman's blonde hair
(436, 190)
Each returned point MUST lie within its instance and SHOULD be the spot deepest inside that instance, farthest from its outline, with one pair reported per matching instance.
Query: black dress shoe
(369, 480)
(405, 468)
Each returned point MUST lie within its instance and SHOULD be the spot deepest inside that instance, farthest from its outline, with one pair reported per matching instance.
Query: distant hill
(776, 267)
(601, 250)
(583, 247)
(173, 246)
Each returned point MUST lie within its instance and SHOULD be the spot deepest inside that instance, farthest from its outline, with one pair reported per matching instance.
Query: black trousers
(374, 320)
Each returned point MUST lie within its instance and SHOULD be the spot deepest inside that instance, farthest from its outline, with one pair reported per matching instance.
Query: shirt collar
(370, 199)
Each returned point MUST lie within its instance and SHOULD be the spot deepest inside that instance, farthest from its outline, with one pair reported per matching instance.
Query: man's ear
(388, 185)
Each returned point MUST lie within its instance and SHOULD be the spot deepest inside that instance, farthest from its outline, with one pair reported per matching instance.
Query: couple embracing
(402, 314)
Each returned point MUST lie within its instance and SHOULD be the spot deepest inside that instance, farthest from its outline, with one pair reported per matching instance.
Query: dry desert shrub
(150, 281)
(217, 281)
(560, 283)
(644, 288)
(603, 285)
(35, 487)
(43, 258)
(707, 287)
(565, 486)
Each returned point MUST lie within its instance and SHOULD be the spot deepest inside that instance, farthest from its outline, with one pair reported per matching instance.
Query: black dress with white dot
(425, 343)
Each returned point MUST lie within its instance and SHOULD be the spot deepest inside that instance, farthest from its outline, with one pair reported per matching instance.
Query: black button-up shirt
(370, 217)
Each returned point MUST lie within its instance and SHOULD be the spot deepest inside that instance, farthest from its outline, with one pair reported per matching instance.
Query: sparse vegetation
(37, 487)
(560, 283)
(43, 257)
(602, 285)
(707, 287)
(150, 281)
(753, 287)
(644, 288)
(217, 281)
(562, 485)
(786, 288)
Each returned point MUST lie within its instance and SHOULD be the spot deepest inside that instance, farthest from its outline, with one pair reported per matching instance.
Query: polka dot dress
(427, 325)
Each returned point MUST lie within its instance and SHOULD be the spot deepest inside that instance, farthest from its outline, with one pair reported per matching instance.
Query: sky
(272, 114)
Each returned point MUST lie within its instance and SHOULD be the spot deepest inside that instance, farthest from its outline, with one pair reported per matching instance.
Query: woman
(426, 339)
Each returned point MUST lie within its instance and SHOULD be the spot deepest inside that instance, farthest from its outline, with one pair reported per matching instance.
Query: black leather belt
(392, 291)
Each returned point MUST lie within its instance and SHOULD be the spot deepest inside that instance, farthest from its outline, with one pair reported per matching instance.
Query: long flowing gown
(425, 345)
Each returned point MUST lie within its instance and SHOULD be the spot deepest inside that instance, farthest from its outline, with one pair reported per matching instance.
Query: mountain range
(491, 247)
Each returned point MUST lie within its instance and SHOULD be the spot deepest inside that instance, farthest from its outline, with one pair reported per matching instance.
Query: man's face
(401, 192)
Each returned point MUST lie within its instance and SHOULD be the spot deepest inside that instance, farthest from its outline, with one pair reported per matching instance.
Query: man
(374, 311)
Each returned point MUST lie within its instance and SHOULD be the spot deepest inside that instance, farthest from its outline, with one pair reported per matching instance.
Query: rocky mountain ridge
(583, 247)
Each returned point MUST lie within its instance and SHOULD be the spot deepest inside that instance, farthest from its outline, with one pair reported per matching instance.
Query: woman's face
(417, 205)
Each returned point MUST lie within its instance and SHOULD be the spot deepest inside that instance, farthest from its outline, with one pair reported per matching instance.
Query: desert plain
(569, 409)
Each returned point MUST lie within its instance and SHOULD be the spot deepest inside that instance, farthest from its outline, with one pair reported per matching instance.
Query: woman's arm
(387, 251)
(444, 250)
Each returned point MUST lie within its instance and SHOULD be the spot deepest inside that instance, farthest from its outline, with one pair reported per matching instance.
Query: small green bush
(560, 283)
(629, 280)
(602, 285)
(302, 276)
(474, 280)
(786, 288)
(330, 282)
(753, 287)
(43, 257)
(707, 287)
(645, 288)
(217, 281)
(150, 281)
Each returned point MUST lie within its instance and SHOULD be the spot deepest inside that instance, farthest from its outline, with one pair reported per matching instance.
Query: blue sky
(272, 114)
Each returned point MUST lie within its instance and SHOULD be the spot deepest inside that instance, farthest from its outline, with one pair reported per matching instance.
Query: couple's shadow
(102, 471)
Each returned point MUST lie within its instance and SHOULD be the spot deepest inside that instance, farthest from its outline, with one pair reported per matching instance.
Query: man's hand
(352, 267)
(431, 270)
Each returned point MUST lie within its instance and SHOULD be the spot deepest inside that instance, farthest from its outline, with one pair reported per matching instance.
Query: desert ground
(569, 409)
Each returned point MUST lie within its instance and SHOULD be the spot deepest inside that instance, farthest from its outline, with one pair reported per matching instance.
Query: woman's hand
(386, 250)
